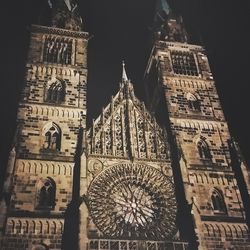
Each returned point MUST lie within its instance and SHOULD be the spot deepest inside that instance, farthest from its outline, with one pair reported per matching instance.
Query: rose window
(133, 201)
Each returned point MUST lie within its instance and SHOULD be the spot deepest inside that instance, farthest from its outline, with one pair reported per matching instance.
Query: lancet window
(46, 193)
(203, 149)
(218, 201)
(56, 92)
(52, 137)
(57, 50)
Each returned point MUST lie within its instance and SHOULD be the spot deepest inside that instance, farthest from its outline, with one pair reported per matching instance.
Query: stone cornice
(58, 31)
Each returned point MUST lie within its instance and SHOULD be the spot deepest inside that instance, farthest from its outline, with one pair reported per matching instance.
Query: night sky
(120, 30)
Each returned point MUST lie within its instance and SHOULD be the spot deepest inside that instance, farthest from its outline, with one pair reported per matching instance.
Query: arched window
(52, 136)
(56, 92)
(46, 193)
(193, 102)
(218, 201)
(203, 149)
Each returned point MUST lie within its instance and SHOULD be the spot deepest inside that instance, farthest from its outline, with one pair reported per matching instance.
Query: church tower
(39, 176)
(181, 89)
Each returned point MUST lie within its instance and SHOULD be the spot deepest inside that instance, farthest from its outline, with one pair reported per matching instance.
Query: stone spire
(124, 74)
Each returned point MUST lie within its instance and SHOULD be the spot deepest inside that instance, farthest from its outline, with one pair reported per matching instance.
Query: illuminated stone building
(154, 176)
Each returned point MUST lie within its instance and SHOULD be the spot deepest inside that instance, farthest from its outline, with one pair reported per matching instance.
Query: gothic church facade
(133, 180)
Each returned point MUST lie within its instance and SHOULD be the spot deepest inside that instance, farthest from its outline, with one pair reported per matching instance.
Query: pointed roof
(126, 129)
(124, 74)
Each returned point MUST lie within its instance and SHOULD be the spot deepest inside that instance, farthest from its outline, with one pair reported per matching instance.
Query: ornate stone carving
(127, 128)
(133, 201)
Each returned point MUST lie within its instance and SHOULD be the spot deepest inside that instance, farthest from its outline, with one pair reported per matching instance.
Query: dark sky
(121, 30)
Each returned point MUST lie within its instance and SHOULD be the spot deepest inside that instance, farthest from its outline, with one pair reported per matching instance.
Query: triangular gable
(126, 129)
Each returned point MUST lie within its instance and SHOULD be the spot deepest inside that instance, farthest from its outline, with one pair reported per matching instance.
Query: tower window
(203, 149)
(46, 193)
(57, 50)
(184, 63)
(52, 134)
(56, 92)
(218, 201)
(193, 102)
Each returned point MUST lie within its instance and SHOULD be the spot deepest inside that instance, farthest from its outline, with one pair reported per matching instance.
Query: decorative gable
(126, 129)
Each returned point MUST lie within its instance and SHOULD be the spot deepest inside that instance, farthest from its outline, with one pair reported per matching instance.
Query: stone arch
(61, 227)
(12, 226)
(47, 229)
(70, 170)
(213, 230)
(46, 194)
(22, 166)
(18, 227)
(51, 133)
(225, 230)
(39, 227)
(64, 169)
(203, 148)
(218, 231)
(201, 178)
(196, 177)
(33, 229)
(53, 227)
(25, 227)
(41, 167)
(29, 167)
(218, 202)
(193, 101)
(246, 230)
(206, 178)
(241, 230)
(230, 232)
(53, 168)
(207, 229)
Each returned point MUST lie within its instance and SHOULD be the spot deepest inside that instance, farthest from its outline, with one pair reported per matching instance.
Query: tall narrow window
(46, 193)
(203, 149)
(193, 102)
(184, 63)
(56, 92)
(52, 136)
(218, 201)
(57, 50)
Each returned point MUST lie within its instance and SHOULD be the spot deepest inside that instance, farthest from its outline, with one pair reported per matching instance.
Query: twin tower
(162, 176)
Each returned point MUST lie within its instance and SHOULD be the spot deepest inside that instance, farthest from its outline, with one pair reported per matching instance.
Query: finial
(124, 75)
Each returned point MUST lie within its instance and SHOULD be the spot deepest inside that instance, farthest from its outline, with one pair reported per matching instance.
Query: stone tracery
(133, 201)
(126, 128)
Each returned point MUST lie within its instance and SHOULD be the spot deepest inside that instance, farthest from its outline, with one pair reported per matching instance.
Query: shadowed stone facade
(180, 84)
(38, 184)
(142, 177)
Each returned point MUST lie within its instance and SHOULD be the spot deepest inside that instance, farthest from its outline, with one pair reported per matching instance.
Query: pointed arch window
(218, 201)
(203, 149)
(52, 137)
(56, 92)
(193, 102)
(46, 193)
